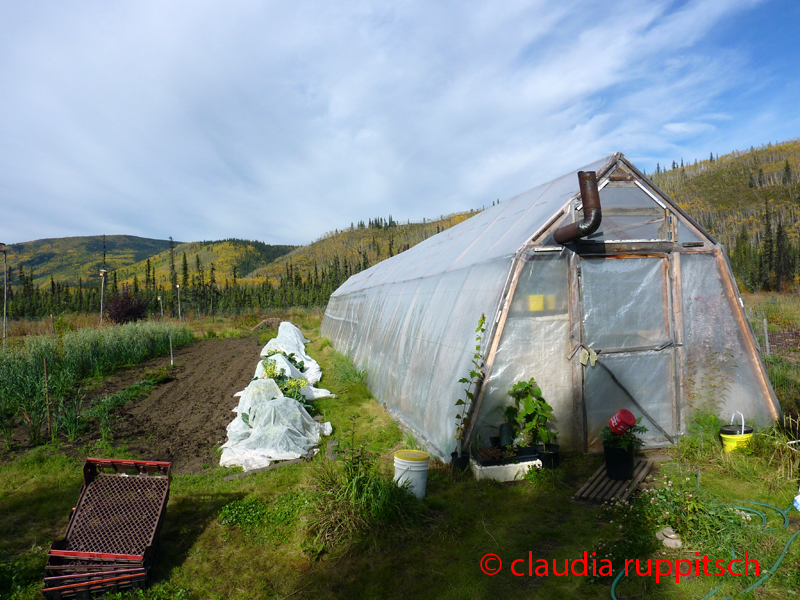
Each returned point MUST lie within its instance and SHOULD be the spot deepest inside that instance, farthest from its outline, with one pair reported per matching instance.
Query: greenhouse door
(626, 320)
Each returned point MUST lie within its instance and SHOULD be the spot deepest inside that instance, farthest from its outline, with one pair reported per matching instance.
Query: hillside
(68, 259)
(231, 259)
(750, 201)
(356, 247)
(733, 190)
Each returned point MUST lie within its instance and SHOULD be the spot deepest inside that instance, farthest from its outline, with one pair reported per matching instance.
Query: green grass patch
(263, 536)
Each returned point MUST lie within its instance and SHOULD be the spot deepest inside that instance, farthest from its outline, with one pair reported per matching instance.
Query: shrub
(126, 307)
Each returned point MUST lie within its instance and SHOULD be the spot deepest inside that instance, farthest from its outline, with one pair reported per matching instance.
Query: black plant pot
(527, 452)
(619, 462)
(460, 463)
(506, 435)
(549, 454)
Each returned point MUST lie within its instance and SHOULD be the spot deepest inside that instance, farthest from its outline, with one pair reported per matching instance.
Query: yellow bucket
(732, 442)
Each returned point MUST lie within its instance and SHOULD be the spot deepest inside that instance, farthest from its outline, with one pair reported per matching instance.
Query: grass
(254, 537)
(782, 312)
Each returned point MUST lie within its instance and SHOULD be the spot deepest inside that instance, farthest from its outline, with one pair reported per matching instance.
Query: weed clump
(355, 499)
(352, 379)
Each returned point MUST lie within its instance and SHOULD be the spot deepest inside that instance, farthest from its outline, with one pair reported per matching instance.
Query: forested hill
(750, 201)
(225, 276)
(203, 262)
(71, 258)
(355, 248)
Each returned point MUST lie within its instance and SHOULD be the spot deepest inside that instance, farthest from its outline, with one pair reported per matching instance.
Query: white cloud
(283, 121)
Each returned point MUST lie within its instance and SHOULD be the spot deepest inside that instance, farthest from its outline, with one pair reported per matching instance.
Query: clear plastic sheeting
(410, 320)
(416, 340)
(721, 376)
(495, 233)
(648, 376)
(535, 343)
(624, 302)
(269, 426)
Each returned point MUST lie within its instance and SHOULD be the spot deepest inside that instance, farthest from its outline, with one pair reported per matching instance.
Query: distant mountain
(231, 259)
(70, 258)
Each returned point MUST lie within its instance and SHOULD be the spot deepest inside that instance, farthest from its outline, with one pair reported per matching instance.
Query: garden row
(38, 381)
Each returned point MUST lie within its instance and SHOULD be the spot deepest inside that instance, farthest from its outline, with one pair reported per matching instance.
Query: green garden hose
(763, 578)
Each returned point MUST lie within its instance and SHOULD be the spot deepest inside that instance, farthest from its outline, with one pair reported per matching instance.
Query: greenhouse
(596, 284)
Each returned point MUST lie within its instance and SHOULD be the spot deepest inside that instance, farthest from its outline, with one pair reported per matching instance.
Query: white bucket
(412, 466)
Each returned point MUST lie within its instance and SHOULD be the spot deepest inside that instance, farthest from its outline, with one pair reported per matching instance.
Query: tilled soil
(183, 420)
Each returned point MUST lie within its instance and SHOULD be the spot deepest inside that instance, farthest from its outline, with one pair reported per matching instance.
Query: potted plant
(620, 450)
(529, 416)
(460, 459)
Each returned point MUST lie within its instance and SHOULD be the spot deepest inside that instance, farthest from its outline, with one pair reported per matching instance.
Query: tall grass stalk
(346, 372)
(70, 357)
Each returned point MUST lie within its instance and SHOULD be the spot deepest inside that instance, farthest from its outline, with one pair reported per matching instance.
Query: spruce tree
(185, 272)
(783, 265)
(766, 257)
(173, 276)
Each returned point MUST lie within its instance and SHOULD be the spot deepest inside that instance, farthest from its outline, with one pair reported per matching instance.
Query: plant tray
(504, 472)
(113, 530)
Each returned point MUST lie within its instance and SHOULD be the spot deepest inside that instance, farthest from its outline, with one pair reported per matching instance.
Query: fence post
(766, 338)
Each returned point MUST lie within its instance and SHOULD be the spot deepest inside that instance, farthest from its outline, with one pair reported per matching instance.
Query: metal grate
(117, 514)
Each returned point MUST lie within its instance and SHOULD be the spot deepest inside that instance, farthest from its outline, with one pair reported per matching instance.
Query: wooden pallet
(600, 488)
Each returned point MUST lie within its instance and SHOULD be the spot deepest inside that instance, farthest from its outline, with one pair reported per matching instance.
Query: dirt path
(183, 420)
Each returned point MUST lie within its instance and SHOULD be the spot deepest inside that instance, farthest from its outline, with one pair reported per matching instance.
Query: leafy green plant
(243, 513)
(702, 522)
(626, 440)
(474, 379)
(296, 362)
(289, 386)
(529, 414)
(349, 375)
(70, 419)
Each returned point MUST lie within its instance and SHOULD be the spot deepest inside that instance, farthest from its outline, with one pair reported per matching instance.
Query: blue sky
(281, 121)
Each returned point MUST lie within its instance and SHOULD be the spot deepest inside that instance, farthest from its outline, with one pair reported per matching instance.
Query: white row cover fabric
(291, 340)
(276, 427)
(288, 369)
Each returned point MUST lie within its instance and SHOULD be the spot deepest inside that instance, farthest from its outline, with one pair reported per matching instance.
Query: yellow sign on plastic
(535, 303)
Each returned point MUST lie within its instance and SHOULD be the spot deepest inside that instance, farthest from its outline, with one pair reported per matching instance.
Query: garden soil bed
(183, 420)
